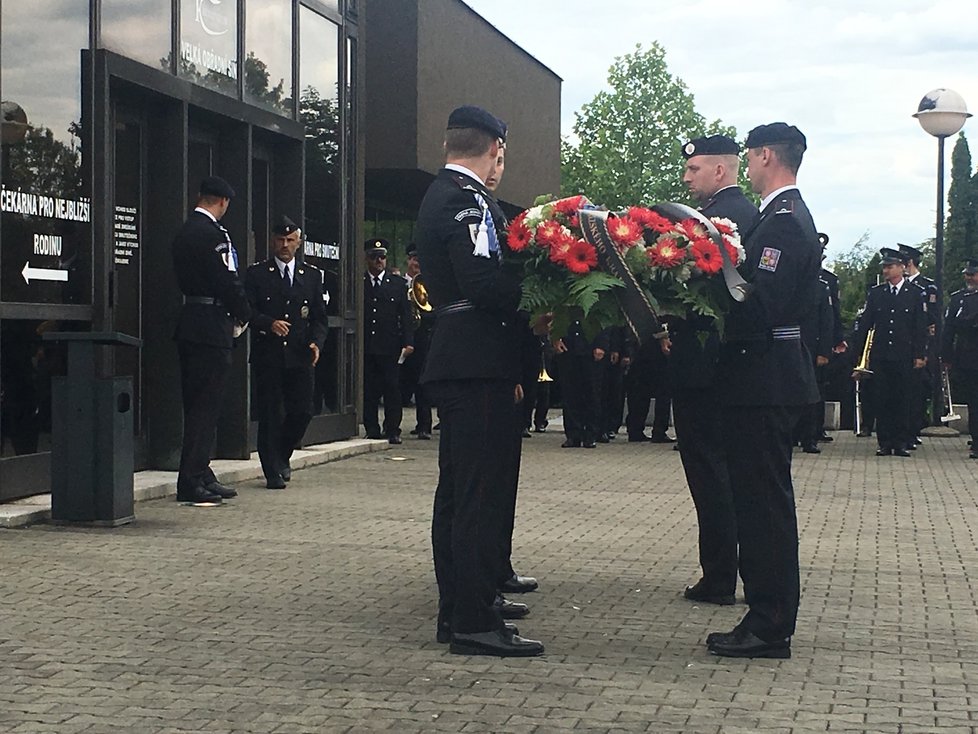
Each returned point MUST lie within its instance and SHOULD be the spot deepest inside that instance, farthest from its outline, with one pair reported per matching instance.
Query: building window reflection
(209, 44)
(139, 29)
(268, 63)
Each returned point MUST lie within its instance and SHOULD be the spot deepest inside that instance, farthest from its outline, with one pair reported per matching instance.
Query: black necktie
(893, 289)
(285, 277)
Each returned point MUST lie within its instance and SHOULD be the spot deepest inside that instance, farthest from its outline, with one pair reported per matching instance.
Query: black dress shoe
(901, 452)
(699, 593)
(864, 434)
(374, 435)
(973, 454)
(443, 632)
(275, 482)
(884, 452)
(394, 440)
(496, 642)
(287, 472)
(510, 609)
(811, 448)
(220, 490)
(525, 433)
(424, 436)
(570, 444)
(640, 438)
(603, 438)
(589, 444)
(517, 584)
(911, 446)
(539, 429)
(825, 438)
(745, 644)
(661, 438)
(198, 496)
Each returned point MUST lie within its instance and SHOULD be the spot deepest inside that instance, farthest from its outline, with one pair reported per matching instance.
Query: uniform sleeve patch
(467, 213)
(474, 232)
(769, 259)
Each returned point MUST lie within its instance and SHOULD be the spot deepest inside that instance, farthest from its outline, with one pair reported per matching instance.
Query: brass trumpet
(418, 297)
(863, 367)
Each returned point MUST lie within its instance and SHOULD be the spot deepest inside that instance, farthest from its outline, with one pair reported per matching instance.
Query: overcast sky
(848, 74)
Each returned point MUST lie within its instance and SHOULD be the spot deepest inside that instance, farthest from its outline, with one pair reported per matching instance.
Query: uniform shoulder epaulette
(784, 206)
(918, 287)
(880, 285)
(965, 292)
(310, 266)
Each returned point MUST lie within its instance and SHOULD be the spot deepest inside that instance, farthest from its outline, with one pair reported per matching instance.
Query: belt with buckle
(455, 307)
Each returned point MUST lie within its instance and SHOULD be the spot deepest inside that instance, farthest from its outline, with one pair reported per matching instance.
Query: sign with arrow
(43, 273)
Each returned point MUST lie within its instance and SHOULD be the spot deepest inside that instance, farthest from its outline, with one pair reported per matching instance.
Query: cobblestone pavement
(312, 609)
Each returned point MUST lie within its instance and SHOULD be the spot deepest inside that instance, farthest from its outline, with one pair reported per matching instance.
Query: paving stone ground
(312, 609)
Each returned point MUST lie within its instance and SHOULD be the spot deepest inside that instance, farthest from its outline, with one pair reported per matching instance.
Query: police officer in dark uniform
(214, 303)
(288, 331)
(472, 375)
(895, 309)
(923, 383)
(960, 346)
(712, 165)
(767, 380)
(816, 334)
(388, 337)
(838, 339)
(424, 323)
(576, 355)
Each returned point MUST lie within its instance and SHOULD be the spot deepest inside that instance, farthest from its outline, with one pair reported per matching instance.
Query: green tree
(961, 231)
(626, 147)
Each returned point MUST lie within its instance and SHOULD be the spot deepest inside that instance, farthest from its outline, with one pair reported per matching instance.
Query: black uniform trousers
(700, 435)
(504, 568)
(381, 378)
(892, 386)
(284, 398)
(966, 384)
(576, 374)
(203, 376)
(758, 444)
(473, 497)
(642, 382)
(410, 372)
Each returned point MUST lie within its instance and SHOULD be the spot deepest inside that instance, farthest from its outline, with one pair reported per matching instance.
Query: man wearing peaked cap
(712, 165)
(388, 335)
(214, 302)
(923, 388)
(769, 380)
(895, 311)
(288, 332)
(960, 346)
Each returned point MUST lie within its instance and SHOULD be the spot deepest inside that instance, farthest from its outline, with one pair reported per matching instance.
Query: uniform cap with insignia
(774, 134)
(910, 253)
(470, 116)
(284, 226)
(711, 145)
(216, 186)
(971, 266)
(889, 256)
(411, 250)
(376, 246)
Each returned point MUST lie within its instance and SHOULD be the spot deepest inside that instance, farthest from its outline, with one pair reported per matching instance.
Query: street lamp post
(941, 113)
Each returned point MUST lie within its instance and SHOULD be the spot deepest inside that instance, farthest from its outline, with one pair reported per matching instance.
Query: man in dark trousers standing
(473, 371)
(424, 322)
(214, 302)
(768, 379)
(923, 383)
(960, 346)
(388, 339)
(712, 164)
(288, 331)
(895, 309)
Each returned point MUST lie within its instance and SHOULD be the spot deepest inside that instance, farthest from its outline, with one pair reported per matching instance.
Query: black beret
(411, 250)
(823, 239)
(889, 256)
(216, 186)
(470, 116)
(283, 226)
(711, 145)
(910, 253)
(970, 266)
(776, 132)
(376, 245)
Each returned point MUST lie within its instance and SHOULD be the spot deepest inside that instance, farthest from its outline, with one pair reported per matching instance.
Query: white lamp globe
(942, 112)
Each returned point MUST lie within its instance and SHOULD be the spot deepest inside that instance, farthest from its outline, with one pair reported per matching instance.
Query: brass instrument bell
(544, 376)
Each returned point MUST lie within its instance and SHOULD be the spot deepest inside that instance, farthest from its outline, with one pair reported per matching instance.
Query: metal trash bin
(91, 436)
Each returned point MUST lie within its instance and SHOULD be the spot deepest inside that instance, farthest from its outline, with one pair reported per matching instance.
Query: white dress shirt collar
(290, 266)
(466, 171)
(775, 194)
(206, 214)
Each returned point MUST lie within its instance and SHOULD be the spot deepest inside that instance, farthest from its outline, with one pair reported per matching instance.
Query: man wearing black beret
(472, 375)
(214, 302)
(768, 379)
(288, 331)
(712, 165)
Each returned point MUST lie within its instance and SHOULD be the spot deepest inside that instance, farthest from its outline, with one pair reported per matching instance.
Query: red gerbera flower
(649, 219)
(581, 257)
(723, 227)
(666, 253)
(574, 221)
(519, 235)
(692, 229)
(624, 231)
(548, 232)
(560, 248)
(706, 256)
(568, 206)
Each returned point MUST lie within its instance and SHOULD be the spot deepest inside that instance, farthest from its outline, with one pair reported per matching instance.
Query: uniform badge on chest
(304, 312)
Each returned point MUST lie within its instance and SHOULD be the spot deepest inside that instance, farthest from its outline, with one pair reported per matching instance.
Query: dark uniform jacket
(206, 268)
(756, 367)
(900, 323)
(930, 295)
(816, 329)
(301, 305)
(960, 338)
(388, 322)
(695, 340)
(831, 281)
(477, 297)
